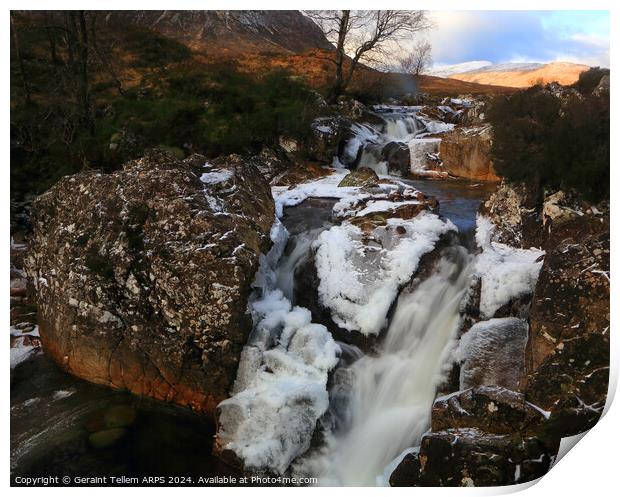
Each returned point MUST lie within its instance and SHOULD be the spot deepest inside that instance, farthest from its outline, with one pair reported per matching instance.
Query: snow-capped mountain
(445, 71)
(514, 74)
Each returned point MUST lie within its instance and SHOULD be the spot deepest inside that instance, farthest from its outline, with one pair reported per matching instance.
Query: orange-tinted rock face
(466, 153)
(142, 276)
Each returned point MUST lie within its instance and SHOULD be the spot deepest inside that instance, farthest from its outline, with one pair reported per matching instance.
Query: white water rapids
(391, 394)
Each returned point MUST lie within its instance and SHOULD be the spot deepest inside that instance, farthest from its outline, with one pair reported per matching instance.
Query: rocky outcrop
(567, 354)
(465, 152)
(531, 387)
(480, 437)
(142, 276)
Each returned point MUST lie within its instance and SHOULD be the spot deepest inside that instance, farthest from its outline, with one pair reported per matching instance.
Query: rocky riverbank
(504, 429)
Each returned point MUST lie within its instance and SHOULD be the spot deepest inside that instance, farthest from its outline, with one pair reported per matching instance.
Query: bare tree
(364, 36)
(418, 60)
(20, 60)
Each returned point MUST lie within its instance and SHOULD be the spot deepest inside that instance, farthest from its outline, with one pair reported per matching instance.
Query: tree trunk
(51, 37)
(82, 71)
(343, 29)
(20, 61)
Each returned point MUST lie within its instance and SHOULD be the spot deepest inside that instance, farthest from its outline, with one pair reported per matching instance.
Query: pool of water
(63, 426)
(459, 200)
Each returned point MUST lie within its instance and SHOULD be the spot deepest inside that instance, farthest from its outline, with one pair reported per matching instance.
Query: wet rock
(142, 276)
(470, 457)
(407, 473)
(398, 158)
(361, 177)
(466, 153)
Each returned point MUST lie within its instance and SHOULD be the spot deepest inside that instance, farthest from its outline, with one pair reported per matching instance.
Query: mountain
(517, 75)
(230, 31)
(446, 71)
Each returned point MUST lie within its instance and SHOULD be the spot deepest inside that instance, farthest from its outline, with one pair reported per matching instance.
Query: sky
(520, 36)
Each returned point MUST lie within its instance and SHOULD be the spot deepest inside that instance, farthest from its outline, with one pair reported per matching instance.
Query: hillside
(524, 75)
(228, 32)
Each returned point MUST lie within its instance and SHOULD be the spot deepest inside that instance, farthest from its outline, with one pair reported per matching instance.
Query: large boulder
(466, 153)
(142, 276)
(326, 138)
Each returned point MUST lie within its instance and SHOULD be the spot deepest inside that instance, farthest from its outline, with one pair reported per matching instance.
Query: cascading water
(391, 394)
(403, 128)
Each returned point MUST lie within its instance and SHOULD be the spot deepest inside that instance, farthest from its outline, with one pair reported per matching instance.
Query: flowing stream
(391, 393)
(381, 403)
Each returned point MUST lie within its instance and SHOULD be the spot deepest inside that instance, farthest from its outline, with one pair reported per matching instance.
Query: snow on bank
(506, 272)
(358, 280)
(326, 187)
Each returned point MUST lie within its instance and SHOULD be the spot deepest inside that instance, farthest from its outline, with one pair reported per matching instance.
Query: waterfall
(390, 395)
(402, 128)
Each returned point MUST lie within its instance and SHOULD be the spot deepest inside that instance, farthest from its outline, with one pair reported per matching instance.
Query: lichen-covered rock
(515, 210)
(466, 153)
(470, 457)
(361, 177)
(567, 354)
(142, 276)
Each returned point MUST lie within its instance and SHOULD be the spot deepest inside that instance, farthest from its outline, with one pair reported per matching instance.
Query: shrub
(553, 141)
(589, 80)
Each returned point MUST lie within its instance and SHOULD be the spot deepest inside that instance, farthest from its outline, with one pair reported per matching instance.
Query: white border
(589, 469)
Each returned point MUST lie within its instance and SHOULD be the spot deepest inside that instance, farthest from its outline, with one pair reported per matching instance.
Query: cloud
(518, 36)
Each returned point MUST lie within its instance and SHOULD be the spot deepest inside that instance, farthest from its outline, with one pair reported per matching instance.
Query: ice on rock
(281, 387)
(492, 353)
(271, 421)
(358, 281)
(506, 272)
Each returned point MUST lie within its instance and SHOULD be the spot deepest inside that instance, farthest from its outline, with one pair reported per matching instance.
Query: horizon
(503, 37)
